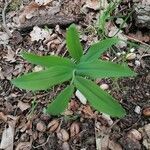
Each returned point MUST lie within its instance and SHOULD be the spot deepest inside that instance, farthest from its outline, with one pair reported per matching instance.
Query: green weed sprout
(79, 71)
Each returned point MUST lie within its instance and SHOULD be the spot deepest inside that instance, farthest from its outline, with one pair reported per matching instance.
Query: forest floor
(23, 125)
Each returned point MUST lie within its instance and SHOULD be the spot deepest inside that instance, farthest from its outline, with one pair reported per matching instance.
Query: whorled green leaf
(98, 98)
(103, 69)
(47, 61)
(43, 80)
(61, 101)
(73, 42)
(97, 49)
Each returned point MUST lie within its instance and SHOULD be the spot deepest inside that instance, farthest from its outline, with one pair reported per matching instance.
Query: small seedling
(33, 106)
(78, 71)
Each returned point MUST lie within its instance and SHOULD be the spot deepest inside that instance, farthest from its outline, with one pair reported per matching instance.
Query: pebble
(130, 56)
(137, 63)
(81, 97)
(104, 86)
(132, 50)
(40, 126)
(118, 54)
(146, 112)
(135, 135)
(137, 110)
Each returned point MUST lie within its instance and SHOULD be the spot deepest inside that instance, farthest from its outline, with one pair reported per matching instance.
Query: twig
(35, 147)
(4, 18)
(136, 40)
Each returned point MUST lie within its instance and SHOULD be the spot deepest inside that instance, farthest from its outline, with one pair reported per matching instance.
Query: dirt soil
(80, 127)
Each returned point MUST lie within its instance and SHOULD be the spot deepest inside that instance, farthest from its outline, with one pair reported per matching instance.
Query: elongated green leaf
(73, 43)
(61, 101)
(98, 98)
(47, 61)
(97, 49)
(44, 79)
(103, 69)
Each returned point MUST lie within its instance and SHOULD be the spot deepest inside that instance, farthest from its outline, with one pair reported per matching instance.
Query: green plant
(78, 71)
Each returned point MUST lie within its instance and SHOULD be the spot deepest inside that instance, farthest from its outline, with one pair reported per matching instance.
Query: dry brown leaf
(23, 106)
(63, 135)
(139, 36)
(93, 4)
(7, 138)
(114, 31)
(28, 11)
(74, 129)
(1, 74)
(43, 2)
(87, 111)
(102, 142)
(10, 55)
(3, 117)
(114, 146)
(53, 125)
(73, 105)
(4, 38)
(24, 146)
(40, 34)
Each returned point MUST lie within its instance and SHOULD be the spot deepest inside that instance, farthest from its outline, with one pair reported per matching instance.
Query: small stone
(130, 56)
(132, 50)
(137, 63)
(135, 135)
(104, 86)
(123, 53)
(118, 54)
(63, 135)
(53, 125)
(40, 126)
(137, 110)
(74, 129)
(146, 112)
(81, 97)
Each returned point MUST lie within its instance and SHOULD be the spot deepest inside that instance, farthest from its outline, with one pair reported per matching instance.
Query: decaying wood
(48, 20)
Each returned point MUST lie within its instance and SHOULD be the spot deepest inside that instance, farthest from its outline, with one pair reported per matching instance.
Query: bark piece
(48, 20)
(142, 11)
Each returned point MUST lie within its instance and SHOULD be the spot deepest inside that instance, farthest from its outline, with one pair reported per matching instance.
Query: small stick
(136, 40)
(4, 18)
(43, 144)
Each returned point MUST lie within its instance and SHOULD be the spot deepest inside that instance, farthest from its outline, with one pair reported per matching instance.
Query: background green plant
(78, 70)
